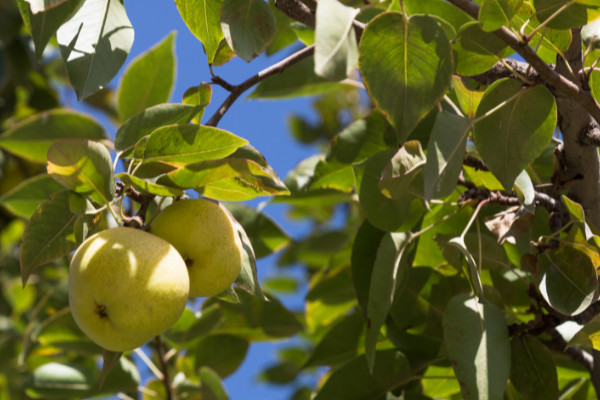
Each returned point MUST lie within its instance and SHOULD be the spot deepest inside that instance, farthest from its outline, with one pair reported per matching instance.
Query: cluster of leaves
(411, 297)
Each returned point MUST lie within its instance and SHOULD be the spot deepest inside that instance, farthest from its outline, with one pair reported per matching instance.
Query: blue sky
(262, 123)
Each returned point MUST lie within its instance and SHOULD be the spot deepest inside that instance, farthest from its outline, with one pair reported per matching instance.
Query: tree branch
(547, 74)
(501, 70)
(237, 90)
(160, 352)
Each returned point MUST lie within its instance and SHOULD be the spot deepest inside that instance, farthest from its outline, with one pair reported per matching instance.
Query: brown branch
(160, 352)
(500, 70)
(237, 90)
(576, 354)
(547, 74)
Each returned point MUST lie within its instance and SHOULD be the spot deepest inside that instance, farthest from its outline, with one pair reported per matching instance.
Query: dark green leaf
(25, 198)
(571, 16)
(248, 278)
(248, 26)
(459, 243)
(60, 381)
(333, 175)
(406, 67)
(477, 51)
(198, 96)
(211, 387)
(354, 382)
(445, 154)
(512, 136)
(476, 337)
(109, 360)
(568, 280)
(336, 51)
(148, 80)
(494, 14)
(84, 167)
(144, 122)
(222, 353)
(402, 169)
(48, 235)
(532, 370)
(589, 335)
(440, 8)
(202, 17)
(32, 137)
(94, 44)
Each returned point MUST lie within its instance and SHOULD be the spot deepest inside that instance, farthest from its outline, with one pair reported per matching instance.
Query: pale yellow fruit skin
(205, 235)
(139, 281)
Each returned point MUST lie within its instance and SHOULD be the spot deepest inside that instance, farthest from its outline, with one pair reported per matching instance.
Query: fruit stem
(160, 351)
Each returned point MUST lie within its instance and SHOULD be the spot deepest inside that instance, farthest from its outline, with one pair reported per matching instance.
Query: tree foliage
(466, 263)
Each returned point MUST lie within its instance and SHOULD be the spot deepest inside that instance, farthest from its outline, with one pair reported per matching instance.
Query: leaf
(364, 252)
(476, 337)
(402, 169)
(525, 188)
(190, 143)
(333, 175)
(388, 274)
(354, 382)
(574, 15)
(84, 167)
(459, 243)
(110, 359)
(532, 370)
(248, 26)
(406, 67)
(384, 213)
(264, 234)
(94, 44)
(211, 386)
(445, 153)
(248, 278)
(494, 14)
(48, 234)
(144, 122)
(145, 186)
(590, 34)
(148, 80)
(32, 137)
(222, 353)
(198, 96)
(44, 19)
(440, 8)
(568, 280)
(25, 198)
(202, 18)
(589, 335)
(476, 51)
(340, 344)
(514, 135)
(336, 51)
(509, 225)
(468, 98)
(54, 380)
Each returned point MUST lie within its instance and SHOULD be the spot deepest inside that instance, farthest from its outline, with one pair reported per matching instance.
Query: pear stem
(160, 351)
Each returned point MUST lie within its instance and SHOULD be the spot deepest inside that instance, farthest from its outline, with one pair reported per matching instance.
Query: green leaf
(222, 353)
(211, 386)
(60, 381)
(402, 169)
(284, 33)
(389, 273)
(145, 186)
(297, 80)
(514, 135)
(476, 337)
(110, 359)
(362, 260)
(44, 19)
(202, 17)
(84, 167)
(384, 213)
(264, 234)
(333, 175)
(248, 26)
(144, 122)
(459, 243)
(440, 382)
(532, 370)
(568, 280)
(198, 96)
(445, 153)
(340, 344)
(190, 143)
(476, 51)
(248, 278)
(440, 8)
(494, 14)
(576, 14)
(25, 198)
(406, 67)
(468, 98)
(353, 380)
(148, 80)
(94, 44)
(48, 235)
(589, 335)
(524, 186)
(32, 137)
(336, 51)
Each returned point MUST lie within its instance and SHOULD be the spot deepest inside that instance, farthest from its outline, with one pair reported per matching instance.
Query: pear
(204, 233)
(125, 287)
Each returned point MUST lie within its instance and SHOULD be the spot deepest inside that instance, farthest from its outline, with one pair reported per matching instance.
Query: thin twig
(237, 90)
(160, 352)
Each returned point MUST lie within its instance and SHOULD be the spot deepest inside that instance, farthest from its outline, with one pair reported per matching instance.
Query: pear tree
(453, 201)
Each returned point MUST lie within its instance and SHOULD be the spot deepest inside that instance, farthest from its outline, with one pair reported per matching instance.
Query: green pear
(126, 286)
(204, 233)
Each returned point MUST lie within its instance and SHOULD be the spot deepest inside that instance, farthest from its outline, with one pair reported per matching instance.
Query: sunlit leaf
(24, 199)
(402, 169)
(494, 14)
(198, 96)
(203, 18)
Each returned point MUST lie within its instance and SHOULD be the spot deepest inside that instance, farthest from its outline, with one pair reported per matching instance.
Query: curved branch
(237, 90)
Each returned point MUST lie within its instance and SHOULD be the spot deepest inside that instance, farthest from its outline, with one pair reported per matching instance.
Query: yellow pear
(204, 234)
(126, 286)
